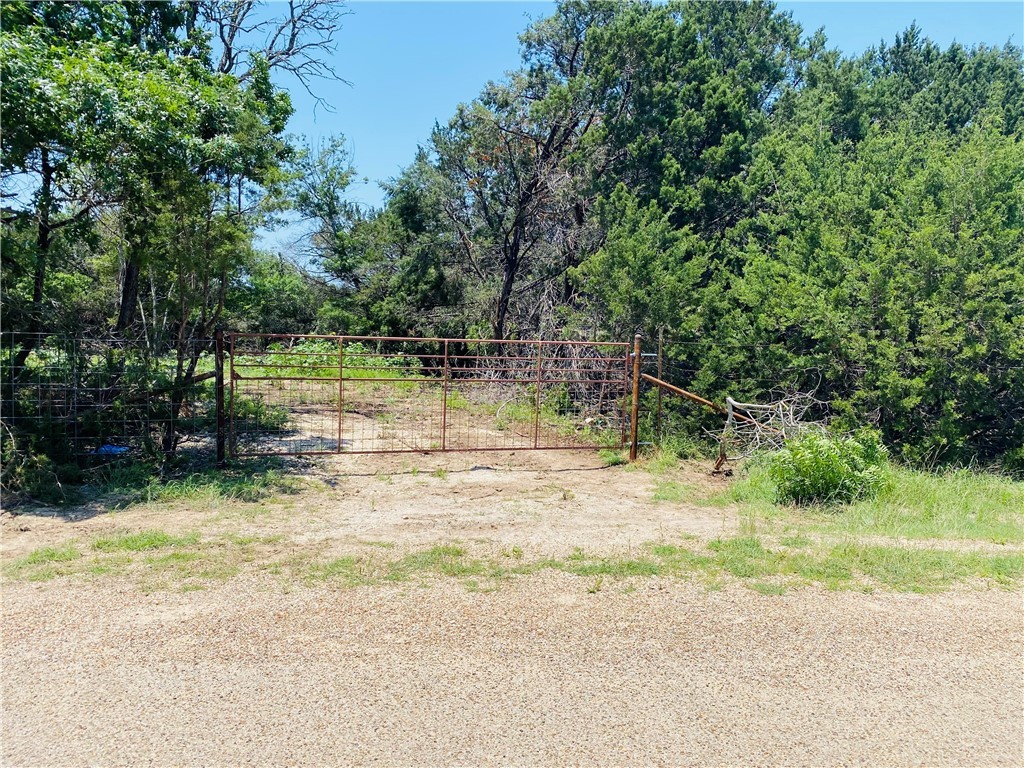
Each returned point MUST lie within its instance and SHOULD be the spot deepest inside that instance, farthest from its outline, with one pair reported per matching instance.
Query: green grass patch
(142, 541)
(445, 560)
(926, 570)
(244, 482)
(744, 557)
(45, 563)
(61, 554)
(158, 560)
(673, 491)
(144, 556)
(953, 505)
(613, 458)
(347, 570)
(767, 588)
(245, 486)
(173, 558)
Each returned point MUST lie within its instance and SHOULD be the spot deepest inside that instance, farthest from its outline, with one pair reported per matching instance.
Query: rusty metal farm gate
(303, 394)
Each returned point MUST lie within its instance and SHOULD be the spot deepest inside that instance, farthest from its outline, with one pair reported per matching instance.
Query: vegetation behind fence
(75, 404)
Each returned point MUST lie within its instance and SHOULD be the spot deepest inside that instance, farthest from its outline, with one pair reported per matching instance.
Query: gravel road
(540, 672)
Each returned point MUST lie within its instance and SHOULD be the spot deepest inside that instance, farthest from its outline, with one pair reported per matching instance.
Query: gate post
(444, 400)
(341, 389)
(536, 395)
(218, 367)
(635, 411)
(661, 350)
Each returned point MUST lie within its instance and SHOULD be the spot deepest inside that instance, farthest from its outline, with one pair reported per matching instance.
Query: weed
(667, 454)
(611, 458)
(457, 401)
(449, 560)
(820, 468)
(107, 567)
(244, 541)
(664, 550)
(440, 473)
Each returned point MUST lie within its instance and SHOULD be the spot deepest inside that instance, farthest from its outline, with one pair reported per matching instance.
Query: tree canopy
(793, 217)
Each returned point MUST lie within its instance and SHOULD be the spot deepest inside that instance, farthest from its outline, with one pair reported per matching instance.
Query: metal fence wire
(79, 399)
(301, 394)
(95, 400)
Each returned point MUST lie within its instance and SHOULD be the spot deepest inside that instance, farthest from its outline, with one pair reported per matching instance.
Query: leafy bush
(821, 468)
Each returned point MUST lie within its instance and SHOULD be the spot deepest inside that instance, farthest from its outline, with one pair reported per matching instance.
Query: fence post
(218, 367)
(444, 401)
(536, 400)
(341, 390)
(661, 351)
(633, 426)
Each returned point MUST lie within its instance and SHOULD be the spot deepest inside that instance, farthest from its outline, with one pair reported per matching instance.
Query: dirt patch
(547, 502)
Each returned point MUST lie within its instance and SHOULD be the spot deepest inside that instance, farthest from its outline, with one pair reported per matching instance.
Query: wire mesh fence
(91, 401)
(96, 400)
(333, 394)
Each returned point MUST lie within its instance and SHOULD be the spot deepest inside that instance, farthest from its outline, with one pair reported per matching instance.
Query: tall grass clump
(819, 468)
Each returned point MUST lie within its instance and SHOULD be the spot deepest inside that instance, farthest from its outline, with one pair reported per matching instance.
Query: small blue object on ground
(111, 450)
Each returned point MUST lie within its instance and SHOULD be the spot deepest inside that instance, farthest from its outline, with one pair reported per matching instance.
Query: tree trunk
(508, 280)
(137, 236)
(129, 295)
(183, 380)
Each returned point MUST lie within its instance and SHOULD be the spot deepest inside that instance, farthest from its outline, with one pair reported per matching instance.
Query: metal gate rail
(306, 394)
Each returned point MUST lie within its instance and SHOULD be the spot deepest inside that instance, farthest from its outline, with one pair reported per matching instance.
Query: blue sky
(411, 63)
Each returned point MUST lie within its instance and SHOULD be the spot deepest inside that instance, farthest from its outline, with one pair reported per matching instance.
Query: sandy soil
(546, 502)
(252, 671)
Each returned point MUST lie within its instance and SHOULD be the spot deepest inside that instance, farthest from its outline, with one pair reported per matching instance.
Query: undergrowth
(246, 482)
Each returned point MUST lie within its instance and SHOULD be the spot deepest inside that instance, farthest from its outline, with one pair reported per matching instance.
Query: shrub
(820, 468)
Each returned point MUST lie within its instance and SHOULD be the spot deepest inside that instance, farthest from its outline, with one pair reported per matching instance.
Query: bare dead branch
(298, 38)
